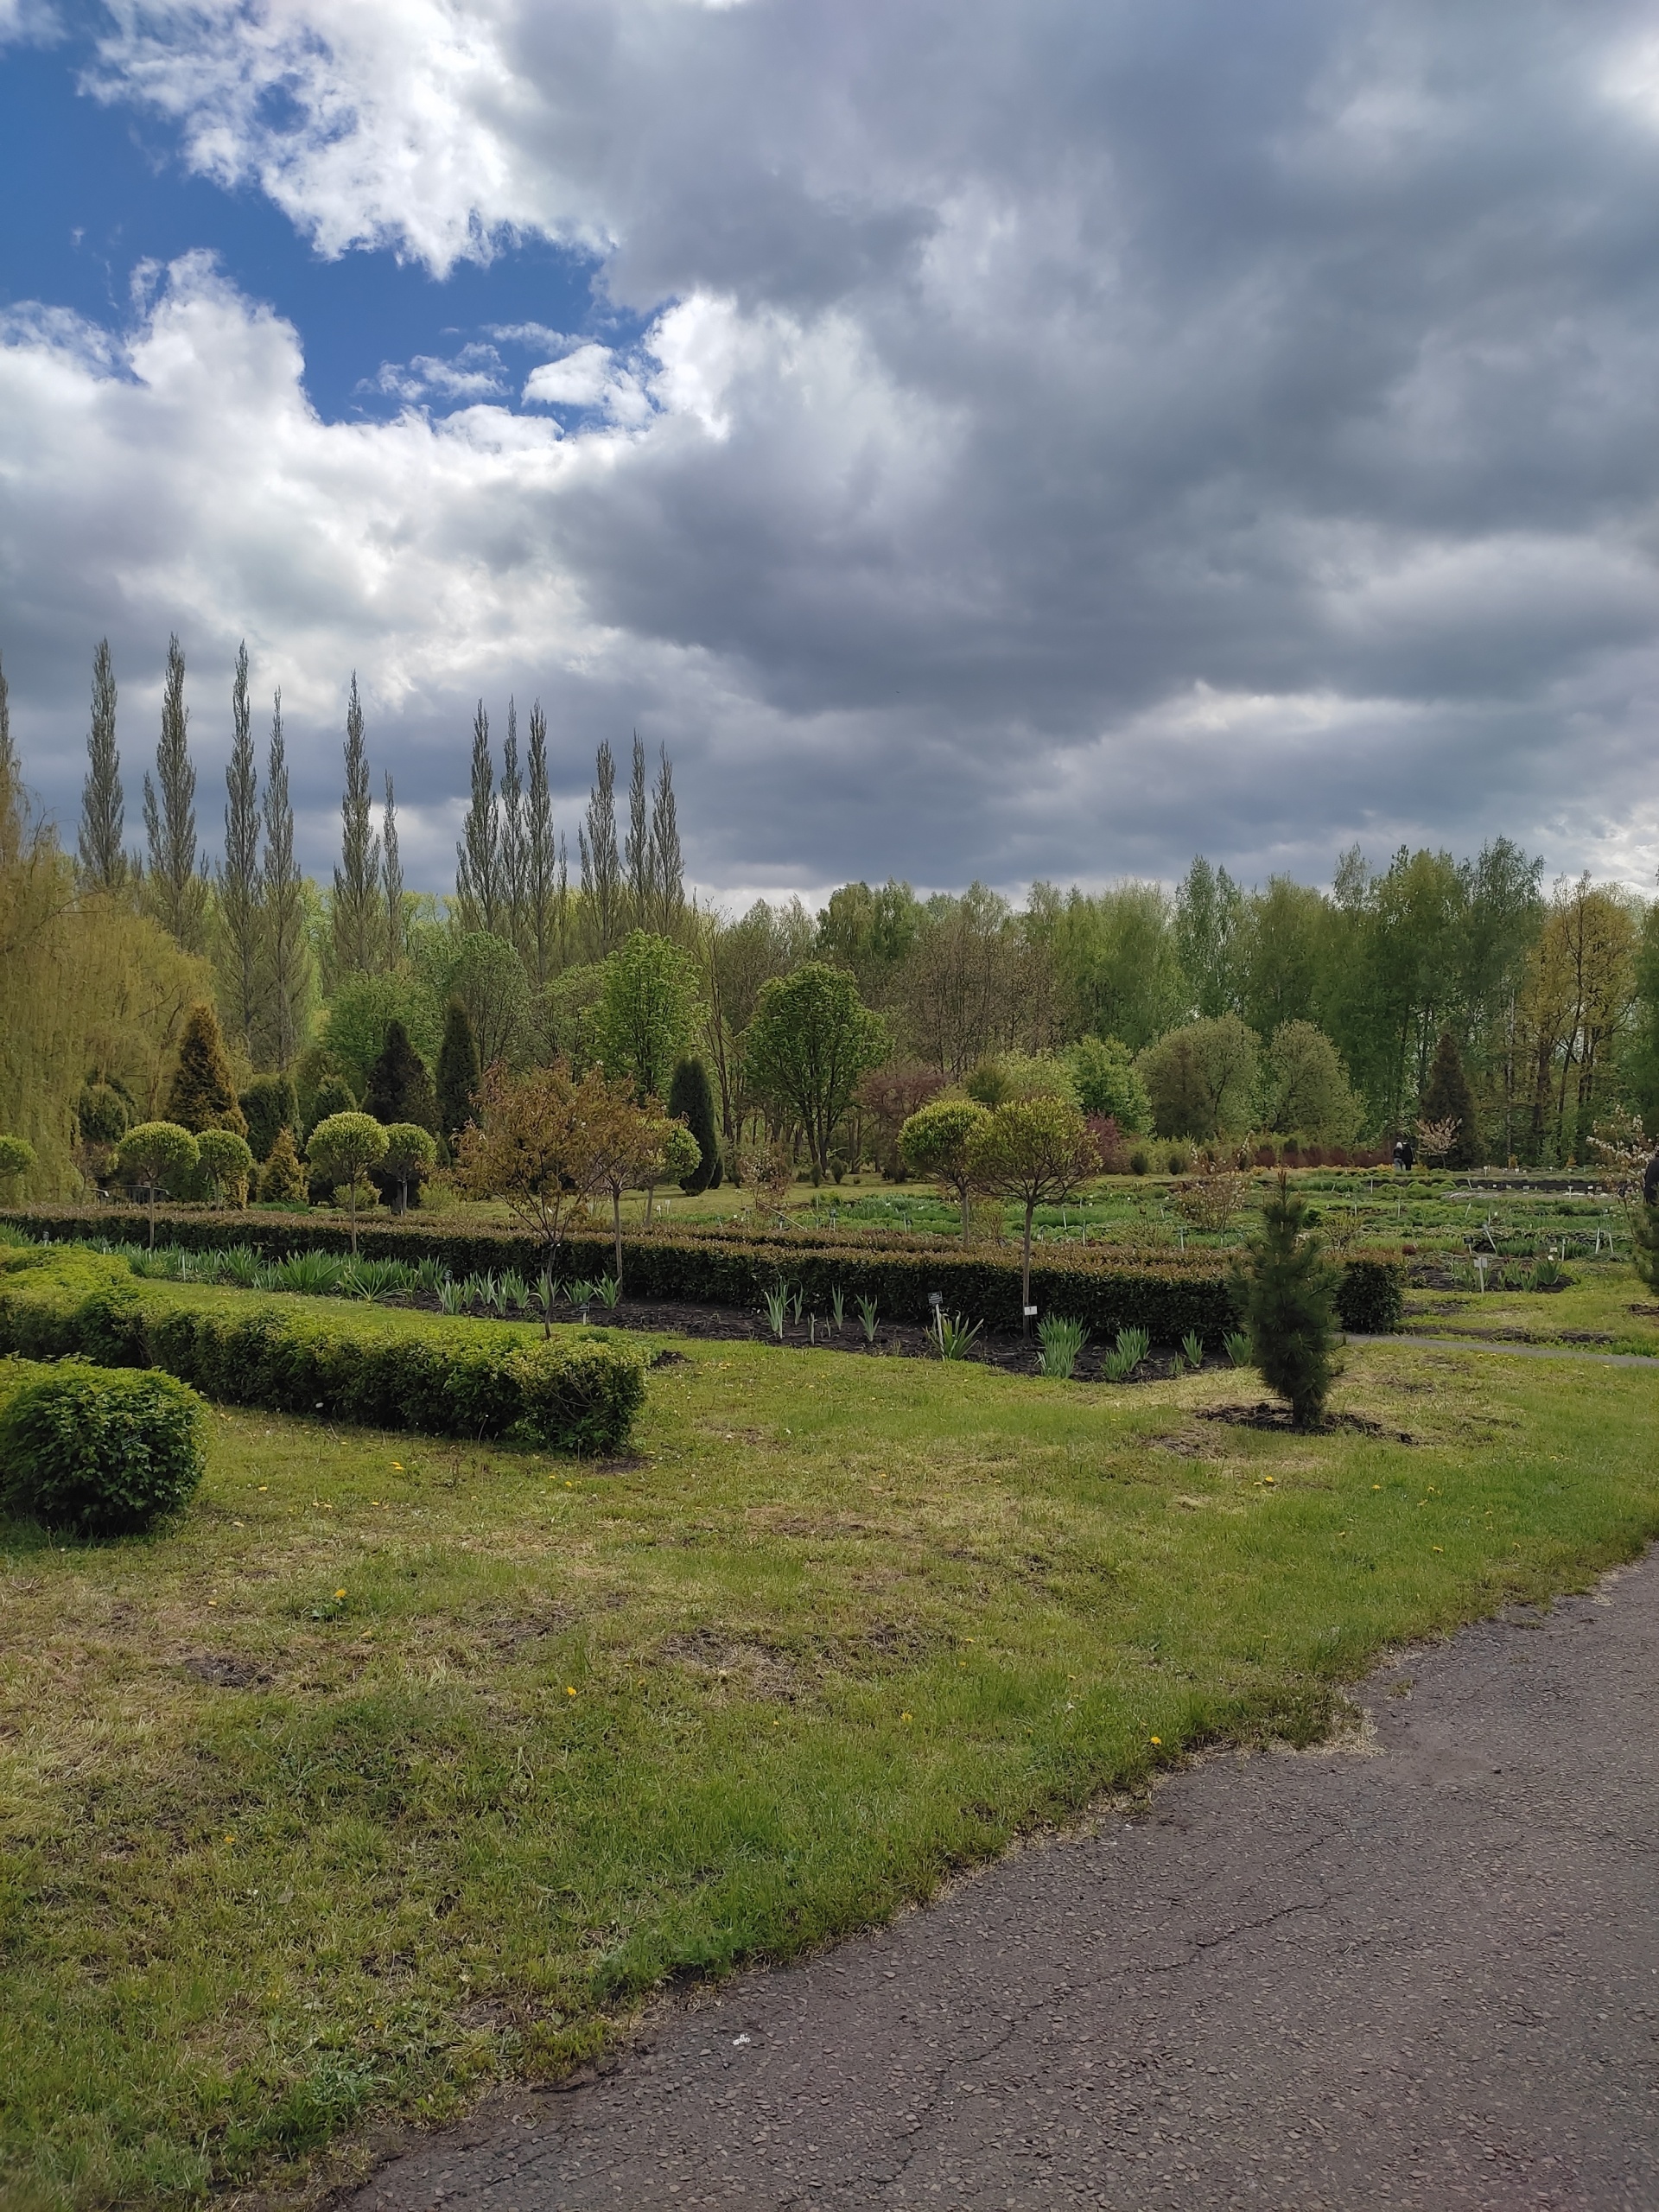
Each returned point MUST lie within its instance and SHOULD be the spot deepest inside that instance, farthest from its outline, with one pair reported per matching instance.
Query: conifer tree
(357, 918)
(1286, 1297)
(286, 964)
(281, 1181)
(667, 865)
(174, 890)
(478, 854)
(642, 884)
(238, 874)
(104, 864)
(458, 1071)
(602, 866)
(400, 1089)
(1447, 1097)
(691, 1101)
(269, 1105)
(392, 873)
(203, 1096)
(541, 856)
(514, 865)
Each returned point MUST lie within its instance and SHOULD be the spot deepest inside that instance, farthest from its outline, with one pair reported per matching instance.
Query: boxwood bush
(98, 1451)
(727, 1265)
(577, 1393)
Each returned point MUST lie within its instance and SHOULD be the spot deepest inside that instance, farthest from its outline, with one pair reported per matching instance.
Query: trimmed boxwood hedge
(1169, 1298)
(577, 1393)
(99, 1451)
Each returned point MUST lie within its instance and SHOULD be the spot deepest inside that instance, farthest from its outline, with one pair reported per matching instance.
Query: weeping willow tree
(85, 989)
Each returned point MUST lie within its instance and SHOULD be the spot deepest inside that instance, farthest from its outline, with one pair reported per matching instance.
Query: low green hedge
(1170, 1298)
(576, 1393)
(98, 1451)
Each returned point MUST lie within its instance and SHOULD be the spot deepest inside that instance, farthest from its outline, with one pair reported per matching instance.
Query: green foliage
(691, 1100)
(333, 1095)
(283, 1180)
(361, 1013)
(102, 1115)
(1288, 1303)
(1306, 1086)
(343, 1150)
(227, 1162)
(1104, 1076)
(1201, 1080)
(159, 1155)
(412, 1153)
(646, 1012)
(16, 1158)
(1062, 1340)
(811, 1040)
(100, 1452)
(268, 1104)
(486, 973)
(1447, 1097)
(464, 1379)
(458, 1071)
(203, 1096)
(1639, 1062)
(1645, 1242)
(1034, 1150)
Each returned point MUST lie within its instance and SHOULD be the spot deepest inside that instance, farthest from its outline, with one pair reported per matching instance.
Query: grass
(478, 1746)
(1604, 1309)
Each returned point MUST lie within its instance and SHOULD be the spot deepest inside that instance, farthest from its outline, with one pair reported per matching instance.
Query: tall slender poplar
(514, 858)
(541, 856)
(392, 879)
(667, 864)
(104, 864)
(478, 854)
(286, 960)
(175, 891)
(602, 866)
(642, 888)
(356, 917)
(238, 874)
(10, 782)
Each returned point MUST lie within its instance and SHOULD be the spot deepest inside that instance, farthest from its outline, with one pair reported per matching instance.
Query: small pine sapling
(1287, 1296)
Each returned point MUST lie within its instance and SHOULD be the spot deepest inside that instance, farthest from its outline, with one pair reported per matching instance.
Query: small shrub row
(576, 1393)
(97, 1451)
(1169, 1296)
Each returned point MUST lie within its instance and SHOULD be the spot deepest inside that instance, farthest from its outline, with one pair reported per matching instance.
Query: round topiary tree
(281, 1180)
(342, 1150)
(102, 1452)
(226, 1163)
(16, 1158)
(203, 1096)
(158, 1155)
(412, 1153)
(936, 1141)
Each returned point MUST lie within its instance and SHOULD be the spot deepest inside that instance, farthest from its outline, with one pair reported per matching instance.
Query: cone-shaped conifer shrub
(1287, 1296)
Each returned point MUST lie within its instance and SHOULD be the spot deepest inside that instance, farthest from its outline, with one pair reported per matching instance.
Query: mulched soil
(1265, 1414)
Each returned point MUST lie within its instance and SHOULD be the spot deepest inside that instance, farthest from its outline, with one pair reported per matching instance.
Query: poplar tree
(10, 782)
(602, 866)
(286, 966)
(392, 879)
(542, 859)
(642, 885)
(238, 874)
(478, 853)
(103, 865)
(514, 855)
(356, 915)
(667, 865)
(174, 888)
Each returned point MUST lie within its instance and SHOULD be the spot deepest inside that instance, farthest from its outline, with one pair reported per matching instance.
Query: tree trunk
(1025, 1271)
(616, 1225)
(352, 1208)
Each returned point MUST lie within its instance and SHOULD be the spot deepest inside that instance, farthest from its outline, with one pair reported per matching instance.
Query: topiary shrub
(158, 1155)
(226, 1163)
(268, 1104)
(281, 1180)
(16, 1158)
(203, 1096)
(101, 1452)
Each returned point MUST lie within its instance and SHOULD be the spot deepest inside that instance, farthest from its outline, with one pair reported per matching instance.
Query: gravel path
(1421, 1973)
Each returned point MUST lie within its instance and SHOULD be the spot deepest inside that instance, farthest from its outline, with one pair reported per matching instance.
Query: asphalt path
(1419, 1971)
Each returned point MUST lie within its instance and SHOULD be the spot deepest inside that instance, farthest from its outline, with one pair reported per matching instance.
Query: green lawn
(1604, 1309)
(488, 1743)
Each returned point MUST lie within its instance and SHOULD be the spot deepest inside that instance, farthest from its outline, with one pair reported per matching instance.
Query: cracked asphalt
(1420, 1971)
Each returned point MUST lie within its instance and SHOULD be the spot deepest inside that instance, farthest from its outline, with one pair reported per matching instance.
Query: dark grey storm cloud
(1066, 436)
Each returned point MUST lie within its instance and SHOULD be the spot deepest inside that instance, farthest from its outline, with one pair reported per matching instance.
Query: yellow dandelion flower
(571, 1689)
(340, 1593)
(1155, 1740)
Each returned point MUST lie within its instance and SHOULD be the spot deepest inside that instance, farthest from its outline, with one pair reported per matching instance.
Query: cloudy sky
(1037, 439)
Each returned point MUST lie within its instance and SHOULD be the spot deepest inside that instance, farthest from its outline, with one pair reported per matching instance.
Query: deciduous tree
(811, 1040)
(1037, 1151)
(345, 1149)
(939, 1140)
(539, 1145)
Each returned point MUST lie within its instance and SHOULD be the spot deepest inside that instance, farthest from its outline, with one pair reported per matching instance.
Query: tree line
(1210, 1009)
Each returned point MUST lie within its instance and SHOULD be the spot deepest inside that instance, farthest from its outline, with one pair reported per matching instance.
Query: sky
(977, 441)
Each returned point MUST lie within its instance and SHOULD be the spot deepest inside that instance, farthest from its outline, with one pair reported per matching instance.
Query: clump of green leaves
(1287, 1296)
(1062, 1340)
(101, 1452)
